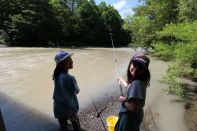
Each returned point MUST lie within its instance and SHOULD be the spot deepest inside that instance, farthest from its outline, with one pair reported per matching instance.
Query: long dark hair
(58, 69)
(144, 77)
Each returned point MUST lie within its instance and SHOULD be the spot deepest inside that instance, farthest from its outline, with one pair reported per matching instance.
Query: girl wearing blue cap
(131, 111)
(66, 103)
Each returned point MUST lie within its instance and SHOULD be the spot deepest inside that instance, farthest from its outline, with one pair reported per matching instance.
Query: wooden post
(2, 125)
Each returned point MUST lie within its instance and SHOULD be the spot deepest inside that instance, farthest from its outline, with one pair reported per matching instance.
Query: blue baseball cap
(61, 55)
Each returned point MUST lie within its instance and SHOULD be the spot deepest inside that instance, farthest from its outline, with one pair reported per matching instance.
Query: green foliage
(186, 57)
(47, 22)
(184, 65)
(170, 28)
(183, 54)
(140, 31)
(63, 20)
(27, 22)
(187, 10)
(175, 87)
(160, 12)
(185, 48)
(113, 24)
(3, 37)
(149, 18)
(183, 31)
(164, 51)
(154, 15)
(187, 53)
(90, 24)
(111, 17)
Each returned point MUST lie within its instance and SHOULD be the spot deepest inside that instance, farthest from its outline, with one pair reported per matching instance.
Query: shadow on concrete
(18, 117)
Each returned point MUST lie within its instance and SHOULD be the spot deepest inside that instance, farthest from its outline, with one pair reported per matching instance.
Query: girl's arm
(121, 80)
(131, 105)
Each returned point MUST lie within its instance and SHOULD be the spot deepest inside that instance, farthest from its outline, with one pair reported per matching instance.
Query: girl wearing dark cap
(65, 99)
(131, 111)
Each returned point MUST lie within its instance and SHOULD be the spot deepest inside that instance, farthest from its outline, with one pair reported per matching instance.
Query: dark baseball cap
(142, 59)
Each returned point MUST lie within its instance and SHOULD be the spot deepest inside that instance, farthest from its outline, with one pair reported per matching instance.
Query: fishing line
(115, 60)
(116, 63)
(58, 46)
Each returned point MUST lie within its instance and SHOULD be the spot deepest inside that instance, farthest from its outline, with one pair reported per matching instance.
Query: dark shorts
(61, 110)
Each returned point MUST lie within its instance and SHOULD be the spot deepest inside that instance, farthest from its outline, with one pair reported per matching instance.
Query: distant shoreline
(3, 46)
(70, 47)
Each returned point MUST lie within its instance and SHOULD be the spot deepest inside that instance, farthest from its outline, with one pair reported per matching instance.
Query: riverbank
(191, 104)
(20, 117)
(94, 118)
(172, 113)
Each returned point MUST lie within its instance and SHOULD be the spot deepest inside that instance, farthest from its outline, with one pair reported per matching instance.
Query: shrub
(3, 37)
(175, 87)
(186, 57)
(164, 51)
(182, 50)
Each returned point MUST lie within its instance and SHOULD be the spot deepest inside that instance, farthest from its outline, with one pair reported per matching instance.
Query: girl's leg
(63, 124)
(75, 121)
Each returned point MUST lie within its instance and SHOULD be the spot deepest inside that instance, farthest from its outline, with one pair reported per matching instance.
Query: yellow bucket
(111, 122)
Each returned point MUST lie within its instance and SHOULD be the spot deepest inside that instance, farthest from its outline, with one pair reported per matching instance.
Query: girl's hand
(122, 98)
(121, 81)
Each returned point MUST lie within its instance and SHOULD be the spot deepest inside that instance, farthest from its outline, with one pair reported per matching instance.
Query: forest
(46, 23)
(165, 28)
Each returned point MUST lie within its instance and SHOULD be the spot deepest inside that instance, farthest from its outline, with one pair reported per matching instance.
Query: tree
(188, 9)
(72, 4)
(151, 17)
(64, 22)
(114, 25)
(28, 23)
(90, 27)
(47, 22)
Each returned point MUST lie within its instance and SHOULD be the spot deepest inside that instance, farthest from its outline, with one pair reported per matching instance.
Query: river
(26, 77)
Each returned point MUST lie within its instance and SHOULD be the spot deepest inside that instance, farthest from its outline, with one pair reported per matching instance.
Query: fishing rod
(116, 63)
(98, 113)
(63, 2)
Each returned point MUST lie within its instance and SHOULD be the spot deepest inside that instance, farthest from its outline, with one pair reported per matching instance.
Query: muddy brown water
(26, 77)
